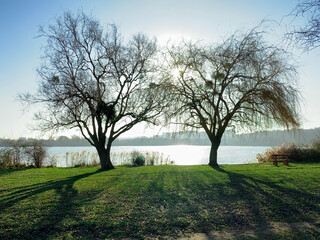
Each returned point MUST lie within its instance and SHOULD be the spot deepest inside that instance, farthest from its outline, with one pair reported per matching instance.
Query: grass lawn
(161, 201)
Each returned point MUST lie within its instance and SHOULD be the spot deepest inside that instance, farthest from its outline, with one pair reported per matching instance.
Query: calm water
(180, 154)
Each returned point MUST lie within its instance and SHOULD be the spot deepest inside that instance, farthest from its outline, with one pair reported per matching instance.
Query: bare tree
(36, 151)
(243, 83)
(307, 35)
(94, 81)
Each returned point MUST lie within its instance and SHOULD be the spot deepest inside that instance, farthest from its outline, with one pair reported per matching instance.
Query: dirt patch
(273, 230)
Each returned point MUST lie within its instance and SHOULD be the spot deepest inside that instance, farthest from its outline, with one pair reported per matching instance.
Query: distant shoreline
(271, 138)
(116, 145)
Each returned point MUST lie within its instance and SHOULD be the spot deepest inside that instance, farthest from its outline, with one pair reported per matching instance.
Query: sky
(199, 20)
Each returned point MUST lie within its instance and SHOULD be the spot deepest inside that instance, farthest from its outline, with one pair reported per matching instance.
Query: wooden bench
(280, 158)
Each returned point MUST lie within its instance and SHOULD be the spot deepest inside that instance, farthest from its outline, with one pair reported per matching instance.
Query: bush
(137, 159)
(10, 158)
(149, 159)
(5, 158)
(316, 145)
(297, 153)
(13, 154)
(18, 153)
(37, 153)
(305, 155)
(267, 155)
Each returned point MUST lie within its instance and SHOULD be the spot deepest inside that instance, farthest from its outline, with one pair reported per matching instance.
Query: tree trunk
(104, 155)
(213, 159)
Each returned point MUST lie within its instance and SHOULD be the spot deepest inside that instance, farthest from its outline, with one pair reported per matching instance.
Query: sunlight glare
(175, 72)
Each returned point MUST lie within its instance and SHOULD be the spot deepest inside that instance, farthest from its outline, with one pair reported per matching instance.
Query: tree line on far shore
(266, 138)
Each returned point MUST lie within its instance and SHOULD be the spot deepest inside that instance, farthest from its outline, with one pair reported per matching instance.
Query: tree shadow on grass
(282, 201)
(50, 216)
(176, 203)
(269, 201)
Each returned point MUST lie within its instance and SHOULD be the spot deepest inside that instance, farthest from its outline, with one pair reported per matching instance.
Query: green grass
(158, 201)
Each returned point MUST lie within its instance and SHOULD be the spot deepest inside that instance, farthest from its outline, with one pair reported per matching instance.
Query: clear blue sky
(208, 20)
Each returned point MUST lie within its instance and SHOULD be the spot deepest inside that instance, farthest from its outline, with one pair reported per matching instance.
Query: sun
(175, 72)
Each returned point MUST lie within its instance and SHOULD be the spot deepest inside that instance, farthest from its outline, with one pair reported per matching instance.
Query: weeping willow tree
(242, 83)
(92, 80)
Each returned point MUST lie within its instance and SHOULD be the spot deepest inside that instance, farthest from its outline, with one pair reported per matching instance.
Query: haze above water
(180, 154)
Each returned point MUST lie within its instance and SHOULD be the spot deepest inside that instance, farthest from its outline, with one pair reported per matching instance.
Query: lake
(179, 154)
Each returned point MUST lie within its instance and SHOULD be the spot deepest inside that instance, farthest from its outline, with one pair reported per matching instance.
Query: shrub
(137, 159)
(13, 154)
(267, 155)
(297, 153)
(37, 153)
(10, 158)
(316, 145)
(5, 158)
(305, 155)
(149, 159)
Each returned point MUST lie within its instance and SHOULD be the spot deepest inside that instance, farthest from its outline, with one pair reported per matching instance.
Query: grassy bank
(159, 201)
